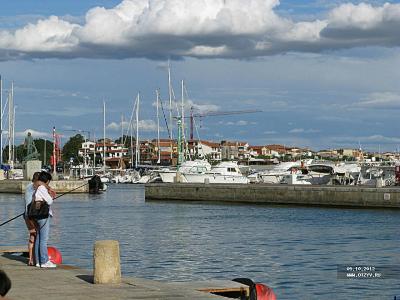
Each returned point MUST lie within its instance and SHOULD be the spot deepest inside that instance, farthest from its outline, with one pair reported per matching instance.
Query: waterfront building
(115, 154)
(205, 149)
(277, 150)
(235, 150)
(328, 154)
(350, 153)
(257, 151)
(168, 151)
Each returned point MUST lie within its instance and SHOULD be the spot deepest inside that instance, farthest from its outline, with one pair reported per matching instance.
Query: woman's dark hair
(44, 176)
(5, 283)
(35, 176)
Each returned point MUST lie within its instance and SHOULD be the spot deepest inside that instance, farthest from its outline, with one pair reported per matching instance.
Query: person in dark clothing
(5, 283)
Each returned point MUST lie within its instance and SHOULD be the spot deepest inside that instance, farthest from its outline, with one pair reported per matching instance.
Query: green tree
(71, 148)
(20, 153)
(44, 157)
(127, 141)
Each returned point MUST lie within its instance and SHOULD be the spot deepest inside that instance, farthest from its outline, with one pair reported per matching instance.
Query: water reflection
(293, 249)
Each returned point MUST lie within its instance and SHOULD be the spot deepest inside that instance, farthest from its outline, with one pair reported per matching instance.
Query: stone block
(30, 167)
(106, 262)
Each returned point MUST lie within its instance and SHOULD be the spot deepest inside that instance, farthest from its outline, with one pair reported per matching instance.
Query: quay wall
(350, 196)
(60, 186)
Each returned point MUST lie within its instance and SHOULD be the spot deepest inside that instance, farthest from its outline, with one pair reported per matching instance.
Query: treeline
(69, 150)
(20, 151)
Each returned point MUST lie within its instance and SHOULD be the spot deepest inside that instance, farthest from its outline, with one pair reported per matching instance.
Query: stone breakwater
(346, 196)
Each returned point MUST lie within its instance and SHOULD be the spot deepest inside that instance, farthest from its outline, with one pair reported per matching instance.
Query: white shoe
(48, 264)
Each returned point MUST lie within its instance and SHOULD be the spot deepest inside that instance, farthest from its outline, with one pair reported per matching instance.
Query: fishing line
(53, 199)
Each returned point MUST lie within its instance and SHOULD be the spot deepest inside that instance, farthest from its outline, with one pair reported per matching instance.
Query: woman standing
(30, 223)
(42, 193)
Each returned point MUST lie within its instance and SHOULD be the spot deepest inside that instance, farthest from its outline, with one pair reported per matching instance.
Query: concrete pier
(348, 196)
(66, 282)
(60, 186)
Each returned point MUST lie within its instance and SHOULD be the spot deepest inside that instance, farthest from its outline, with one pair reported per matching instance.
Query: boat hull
(217, 178)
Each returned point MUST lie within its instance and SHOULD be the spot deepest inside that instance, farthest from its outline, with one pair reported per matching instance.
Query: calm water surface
(295, 250)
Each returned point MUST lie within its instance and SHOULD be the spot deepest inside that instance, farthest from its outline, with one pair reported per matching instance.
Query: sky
(324, 73)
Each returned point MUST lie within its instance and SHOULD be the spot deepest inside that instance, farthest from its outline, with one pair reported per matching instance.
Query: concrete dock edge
(347, 196)
(60, 186)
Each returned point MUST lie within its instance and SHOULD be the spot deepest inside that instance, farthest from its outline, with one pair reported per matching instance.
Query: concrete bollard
(106, 262)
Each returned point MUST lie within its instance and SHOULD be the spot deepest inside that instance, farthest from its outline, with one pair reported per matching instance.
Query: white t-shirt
(43, 194)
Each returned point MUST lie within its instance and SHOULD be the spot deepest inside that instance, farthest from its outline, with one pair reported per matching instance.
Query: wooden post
(106, 262)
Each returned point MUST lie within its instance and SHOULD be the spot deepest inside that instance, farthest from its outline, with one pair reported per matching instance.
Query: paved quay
(73, 283)
(344, 196)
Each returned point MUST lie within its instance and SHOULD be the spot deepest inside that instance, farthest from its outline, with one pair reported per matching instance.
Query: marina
(216, 149)
(293, 249)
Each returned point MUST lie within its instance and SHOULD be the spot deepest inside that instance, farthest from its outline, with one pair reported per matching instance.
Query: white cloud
(237, 123)
(270, 132)
(201, 108)
(198, 108)
(302, 130)
(113, 126)
(297, 130)
(144, 125)
(148, 125)
(208, 28)
(380, 100)
(35, 133)
(367, 140)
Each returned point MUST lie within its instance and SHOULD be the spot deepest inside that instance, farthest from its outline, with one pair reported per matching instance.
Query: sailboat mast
(122, 141)
(54, 160)
(122, 128)
(137, 132)
(131, 133)
(44, 152)
(183, 105)
(13, 136)
(1, 120)
(170, 106)
(183, 119)
(104, 137)
(10, 109)
(158, 128)
(94, 152)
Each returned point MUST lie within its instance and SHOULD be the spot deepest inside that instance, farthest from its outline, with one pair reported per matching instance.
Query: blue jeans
(41, 241)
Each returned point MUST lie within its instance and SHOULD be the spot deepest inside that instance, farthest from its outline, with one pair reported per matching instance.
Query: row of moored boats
(297, 172)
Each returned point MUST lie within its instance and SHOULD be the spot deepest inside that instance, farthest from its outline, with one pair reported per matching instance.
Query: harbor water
(295, 250)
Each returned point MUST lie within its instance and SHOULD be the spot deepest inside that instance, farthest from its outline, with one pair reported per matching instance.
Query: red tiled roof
(229, 143)
(276, 147)
(210, 144)
(256, 147)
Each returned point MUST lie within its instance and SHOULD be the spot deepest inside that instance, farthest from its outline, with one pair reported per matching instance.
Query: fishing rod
(53, 199)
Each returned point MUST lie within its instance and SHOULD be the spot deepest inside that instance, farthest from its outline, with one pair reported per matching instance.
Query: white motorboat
(188, 167)
(296, 179)
(278, 173)
(224, 172)
(322, 173)
(376, 176)
(130, 176)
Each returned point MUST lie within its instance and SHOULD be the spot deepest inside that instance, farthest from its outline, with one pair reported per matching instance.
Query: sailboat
(197, 166)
